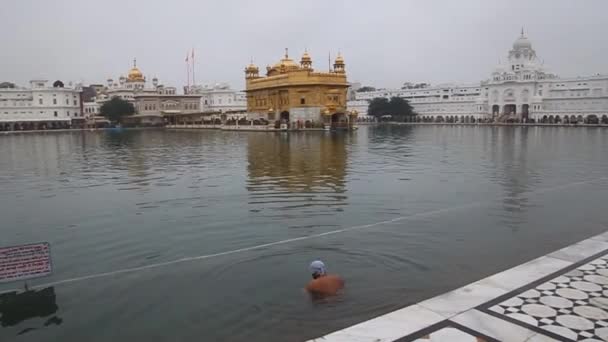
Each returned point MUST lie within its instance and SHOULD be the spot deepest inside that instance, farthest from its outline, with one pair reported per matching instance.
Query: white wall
(39, 104)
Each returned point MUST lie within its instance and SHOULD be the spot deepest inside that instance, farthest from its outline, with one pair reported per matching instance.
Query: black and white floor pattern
(572, 306)
(447, 331)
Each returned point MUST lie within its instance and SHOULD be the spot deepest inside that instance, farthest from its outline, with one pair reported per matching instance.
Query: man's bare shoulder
(328, 284)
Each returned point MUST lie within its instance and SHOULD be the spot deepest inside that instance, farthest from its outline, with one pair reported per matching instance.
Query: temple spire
(286, 53)
(135, 62)
(522, 31)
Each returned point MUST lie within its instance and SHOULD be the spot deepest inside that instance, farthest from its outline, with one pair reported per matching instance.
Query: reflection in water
(131, 150)
(510, 154)
(297, 171)
(16, 307)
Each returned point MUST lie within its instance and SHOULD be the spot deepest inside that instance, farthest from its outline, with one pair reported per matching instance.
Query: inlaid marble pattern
(449, 334)
(572, 306)
(447, 331)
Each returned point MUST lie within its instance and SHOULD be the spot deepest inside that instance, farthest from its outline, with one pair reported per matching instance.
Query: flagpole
(187, 73)
(193, 80)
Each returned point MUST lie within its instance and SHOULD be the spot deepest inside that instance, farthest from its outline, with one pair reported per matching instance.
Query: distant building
(352, 89)
(521, 90)
(41, 106)
(151, 101)
(220, 98)
(360, 107)
(297, 96)
(155, 109)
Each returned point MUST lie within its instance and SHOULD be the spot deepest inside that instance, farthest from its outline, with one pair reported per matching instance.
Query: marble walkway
(562, 296)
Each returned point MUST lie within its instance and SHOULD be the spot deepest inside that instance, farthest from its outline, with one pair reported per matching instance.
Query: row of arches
(546, 119)
(572, 119)
(452, 119)
(33, 126)
(510, 109)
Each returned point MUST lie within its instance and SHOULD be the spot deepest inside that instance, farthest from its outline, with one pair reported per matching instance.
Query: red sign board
(25, 262)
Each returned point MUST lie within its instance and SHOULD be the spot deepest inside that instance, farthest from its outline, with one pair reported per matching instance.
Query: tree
(7, 85)
(116, 108)
(378, 107)
(398, 108)
(365, 88)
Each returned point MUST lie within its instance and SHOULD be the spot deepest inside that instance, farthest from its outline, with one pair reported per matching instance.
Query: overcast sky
(384, 43)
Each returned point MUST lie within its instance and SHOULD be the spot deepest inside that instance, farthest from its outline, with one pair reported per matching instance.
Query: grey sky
(384, 43)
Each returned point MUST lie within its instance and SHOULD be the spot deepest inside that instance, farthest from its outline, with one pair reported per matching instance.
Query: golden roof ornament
(135, 75)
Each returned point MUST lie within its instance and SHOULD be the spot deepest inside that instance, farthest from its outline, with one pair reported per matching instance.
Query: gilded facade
(296, 96)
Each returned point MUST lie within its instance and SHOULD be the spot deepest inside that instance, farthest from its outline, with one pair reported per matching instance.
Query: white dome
(522, 43)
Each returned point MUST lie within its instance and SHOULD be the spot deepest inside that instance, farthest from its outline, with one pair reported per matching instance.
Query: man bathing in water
(323, 284)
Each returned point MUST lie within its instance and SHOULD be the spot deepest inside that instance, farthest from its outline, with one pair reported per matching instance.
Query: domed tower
(306, 61)
(251, 71)
(522, 55)
(284, 65)
(339, 64)
(135, 74)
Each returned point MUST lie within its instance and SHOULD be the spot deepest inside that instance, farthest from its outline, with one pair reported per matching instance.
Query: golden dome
(306, 57)
(134, 74)
(286, 63)
(251, 67)
(339, 59)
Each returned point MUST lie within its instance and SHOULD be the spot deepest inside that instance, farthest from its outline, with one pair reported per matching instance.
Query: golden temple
(295, 96)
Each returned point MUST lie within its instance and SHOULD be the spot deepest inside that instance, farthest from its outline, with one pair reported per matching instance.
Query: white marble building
(221, 98)
(41, 106)
(127, 88)
(521, 90)
(134, 83)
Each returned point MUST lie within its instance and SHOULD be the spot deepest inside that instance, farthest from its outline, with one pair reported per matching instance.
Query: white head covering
(317, 266)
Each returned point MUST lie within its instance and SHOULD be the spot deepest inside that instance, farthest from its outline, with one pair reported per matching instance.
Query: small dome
(251, 68)
(522, 43)
(306, 57)
(339, 59)
(135, 75)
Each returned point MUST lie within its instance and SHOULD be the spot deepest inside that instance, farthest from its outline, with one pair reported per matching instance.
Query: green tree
(116, 108)
(378, 107)
(400, 109)
(365, 88)
(7, 85)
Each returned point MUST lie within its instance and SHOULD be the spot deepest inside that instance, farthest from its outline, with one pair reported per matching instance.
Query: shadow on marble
(493, 327)
(580, 251)
(462, 299)
(600, 237)
(387, 327)
(447, 331)
(524, 274)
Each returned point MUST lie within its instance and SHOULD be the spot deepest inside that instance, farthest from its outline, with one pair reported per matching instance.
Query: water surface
(457, 203)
